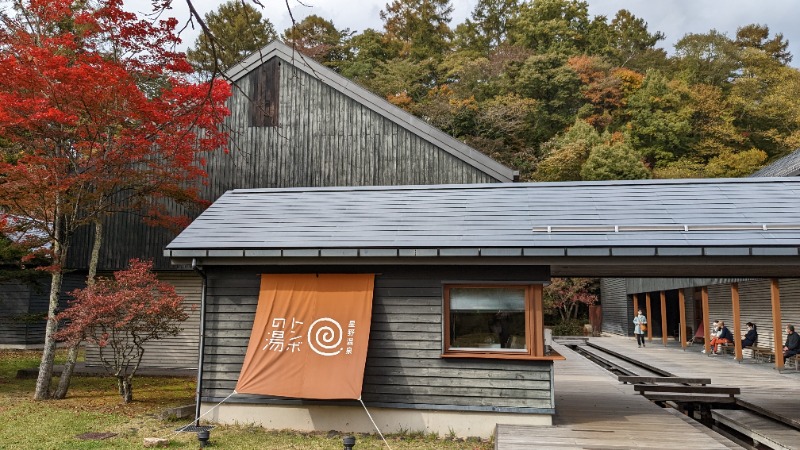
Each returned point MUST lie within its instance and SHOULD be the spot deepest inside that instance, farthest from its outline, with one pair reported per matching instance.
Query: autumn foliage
(565, 295)
(120, 315)
(98, 114)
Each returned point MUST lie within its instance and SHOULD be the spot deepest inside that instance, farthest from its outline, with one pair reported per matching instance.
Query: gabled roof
(725, 218)
(788, 166)
(351, 89)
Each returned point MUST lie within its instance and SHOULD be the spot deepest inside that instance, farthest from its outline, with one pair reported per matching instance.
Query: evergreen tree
(238, 30)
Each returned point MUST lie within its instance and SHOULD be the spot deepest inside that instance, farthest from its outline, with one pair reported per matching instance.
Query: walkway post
(649, 321)
(737, 322)
(706, 324)
(682, 308)
(776, 323)
(664, 318)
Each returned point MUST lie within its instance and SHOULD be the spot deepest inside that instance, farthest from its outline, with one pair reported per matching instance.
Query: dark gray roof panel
(459, 217)
(788, 166)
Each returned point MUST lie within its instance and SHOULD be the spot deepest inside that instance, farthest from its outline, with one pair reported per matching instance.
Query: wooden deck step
(676, 380)
(766, 432)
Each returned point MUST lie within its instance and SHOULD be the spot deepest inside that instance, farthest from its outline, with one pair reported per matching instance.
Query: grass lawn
(93, 406)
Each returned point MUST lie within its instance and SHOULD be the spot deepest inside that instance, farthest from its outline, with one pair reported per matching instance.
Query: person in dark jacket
(751, 336)
(724, 336)
(792, 345)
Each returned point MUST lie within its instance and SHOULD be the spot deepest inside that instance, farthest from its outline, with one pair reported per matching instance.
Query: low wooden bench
(792, 360)
(763, 353)
(706, 394)
(674, 380)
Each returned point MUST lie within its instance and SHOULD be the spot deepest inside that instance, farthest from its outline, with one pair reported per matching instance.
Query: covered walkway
(775, 394)
(594, 410)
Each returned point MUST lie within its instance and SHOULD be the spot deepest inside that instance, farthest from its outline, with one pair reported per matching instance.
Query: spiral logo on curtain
(324, 337)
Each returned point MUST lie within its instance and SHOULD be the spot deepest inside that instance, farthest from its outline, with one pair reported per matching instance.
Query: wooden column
(737, 322)
(649, 321)
(775, 292)
(682, 309)
(635, 310)
(706, 324)
(664, 318)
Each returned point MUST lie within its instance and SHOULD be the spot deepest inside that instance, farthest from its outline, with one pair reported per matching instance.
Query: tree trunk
(42, 391)
(66, 374)
(48, 355)
(125, 386)
(72, 356)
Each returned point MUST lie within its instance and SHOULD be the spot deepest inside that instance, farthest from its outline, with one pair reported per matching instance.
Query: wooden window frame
(534, 326)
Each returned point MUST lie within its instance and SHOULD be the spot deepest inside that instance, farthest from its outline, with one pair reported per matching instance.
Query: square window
(492, 320)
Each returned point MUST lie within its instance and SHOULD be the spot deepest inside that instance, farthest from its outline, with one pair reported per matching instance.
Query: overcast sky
(674, 18)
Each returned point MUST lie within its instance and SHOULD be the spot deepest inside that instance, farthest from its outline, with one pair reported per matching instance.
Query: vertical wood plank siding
(176, 351)
(754, 301)
(404, 367)
(617, 307)
(19, 305)
(324, 138)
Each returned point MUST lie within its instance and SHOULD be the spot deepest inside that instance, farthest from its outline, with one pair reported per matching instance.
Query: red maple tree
(98, 113)
(120, 315)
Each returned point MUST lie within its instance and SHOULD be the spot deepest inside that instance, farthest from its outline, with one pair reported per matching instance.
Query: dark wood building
(293, 123)
(430, 247)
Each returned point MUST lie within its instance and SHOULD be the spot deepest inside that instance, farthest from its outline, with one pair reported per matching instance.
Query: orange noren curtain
(310, 336)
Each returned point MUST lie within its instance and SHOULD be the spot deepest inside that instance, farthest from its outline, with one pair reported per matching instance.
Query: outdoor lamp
(203, 436)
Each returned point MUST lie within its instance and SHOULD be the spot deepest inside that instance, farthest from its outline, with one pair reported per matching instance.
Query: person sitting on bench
(751, 336)
(723, 336)
(792, 345)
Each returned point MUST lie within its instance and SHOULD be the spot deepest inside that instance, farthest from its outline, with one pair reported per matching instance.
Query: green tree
(552, 26)
(660, 124)
(487, 26)
(503, 131)
(709, 58)
(555, 85)
(614, 161)
(421, 26)
(368, 50)
(757, 37)
(567, 152)
(632, 45)
(238, 30)
(765, 102)
(320, 39)
(734, 165)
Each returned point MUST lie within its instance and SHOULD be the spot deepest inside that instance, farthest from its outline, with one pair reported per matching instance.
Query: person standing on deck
(792, 345)
(639, 320)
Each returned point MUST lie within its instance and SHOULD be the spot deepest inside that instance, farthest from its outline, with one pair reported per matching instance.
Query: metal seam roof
(499, 220)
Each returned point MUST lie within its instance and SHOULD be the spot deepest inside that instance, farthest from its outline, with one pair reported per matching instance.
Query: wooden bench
(675, 380)
(763, 354)
(705, 394)
(792, 360)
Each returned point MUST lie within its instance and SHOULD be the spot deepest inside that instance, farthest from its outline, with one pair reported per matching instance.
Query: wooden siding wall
(404, 367)
(324, 139)
(617, 307)
(176, 351)
(20, 303)
(754, 302)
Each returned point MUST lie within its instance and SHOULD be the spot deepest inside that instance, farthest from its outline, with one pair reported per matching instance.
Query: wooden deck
(774, 394)
(595, 411)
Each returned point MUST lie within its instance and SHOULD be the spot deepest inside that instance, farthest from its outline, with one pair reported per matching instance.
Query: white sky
(673, 17)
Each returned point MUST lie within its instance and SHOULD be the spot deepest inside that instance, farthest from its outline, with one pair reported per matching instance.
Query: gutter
(199, 391)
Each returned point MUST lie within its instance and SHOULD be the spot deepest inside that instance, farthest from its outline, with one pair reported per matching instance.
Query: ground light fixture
(349, 442)
(203, 436)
